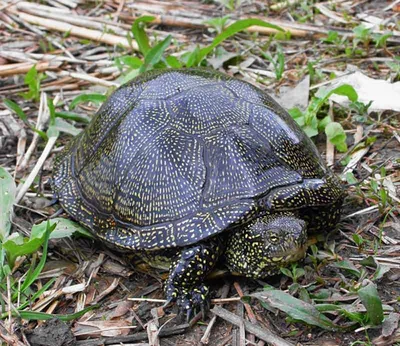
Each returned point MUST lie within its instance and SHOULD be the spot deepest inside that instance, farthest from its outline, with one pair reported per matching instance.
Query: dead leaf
(383, 94)
(102, 328)
(295, 97)
(121, 309)
(390, 324)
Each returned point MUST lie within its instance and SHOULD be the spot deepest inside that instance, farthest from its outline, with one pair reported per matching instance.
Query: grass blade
(73, 116)
(21, 114)
(232, 30)
(155, 54)
(34, 273)
(95, 98)
(7, 197)
(33, 315)
(140, 34)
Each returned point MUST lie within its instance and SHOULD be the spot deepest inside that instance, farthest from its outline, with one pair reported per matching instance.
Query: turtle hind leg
(185, 284)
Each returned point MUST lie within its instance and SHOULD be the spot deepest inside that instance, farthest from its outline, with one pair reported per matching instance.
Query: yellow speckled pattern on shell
(176, 156)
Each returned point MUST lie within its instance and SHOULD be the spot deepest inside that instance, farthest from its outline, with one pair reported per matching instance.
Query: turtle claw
(189, 300)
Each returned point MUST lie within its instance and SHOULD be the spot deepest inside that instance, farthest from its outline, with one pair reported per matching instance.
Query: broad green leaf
(323, 123)
(94, 98)
(140, 34)
(286, 271)
(155, 54)
(132, 61)
(297, 115)
(295, 308)
(336, 135)
(348, 266)
(64, 126)
(16, 245)
(310, 131)
(34, 272)
(370, 298)
(331, 38)
(129, 76)
(344, 90)
(326, 307)
(63, 228)
(7, 198)
(232, 30)
(381, 269)
(351, 179)
(173, 61)
(52, 131)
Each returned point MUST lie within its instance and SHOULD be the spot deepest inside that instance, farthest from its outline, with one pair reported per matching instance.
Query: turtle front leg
(185, 284)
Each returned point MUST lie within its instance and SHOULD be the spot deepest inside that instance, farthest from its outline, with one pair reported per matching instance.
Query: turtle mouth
(278, 259)
(290, 255)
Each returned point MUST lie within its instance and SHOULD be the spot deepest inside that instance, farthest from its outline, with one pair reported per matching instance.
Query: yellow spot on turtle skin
(277, 259)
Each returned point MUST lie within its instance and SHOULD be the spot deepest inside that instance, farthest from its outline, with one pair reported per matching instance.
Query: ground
(346, 290)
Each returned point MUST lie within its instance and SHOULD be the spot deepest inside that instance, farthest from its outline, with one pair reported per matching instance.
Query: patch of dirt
(53, 332)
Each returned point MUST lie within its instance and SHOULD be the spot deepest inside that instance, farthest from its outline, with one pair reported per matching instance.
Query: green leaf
(232, 30)
(131, 61)
(295, 308)
(286, 272)
(336, 135)
(344, 90)
(332, 37)
(350, 178)
(155, 54)
(16, 245)
(73, 116)
(191, 58)
(370, 298)
(129, 76)
(52, 110)
(173, 61)
(52, 131)
(7, 198)
(64, 126)
(381, 269)
(348, 266)
(63, 228)
(33, 273)
(140, 34)
(17, 109)
(34, 315)
(323, 123)
(94, 98)
(21, 114)
(361, 32)
(310, 131)
(297, 115)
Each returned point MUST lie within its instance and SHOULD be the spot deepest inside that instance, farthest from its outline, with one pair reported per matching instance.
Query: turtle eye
(273, 238)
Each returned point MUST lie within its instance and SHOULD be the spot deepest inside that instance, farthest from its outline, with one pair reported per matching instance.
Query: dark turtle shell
(176, 156)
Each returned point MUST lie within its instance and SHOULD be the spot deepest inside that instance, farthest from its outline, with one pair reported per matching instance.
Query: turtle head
(266, 244)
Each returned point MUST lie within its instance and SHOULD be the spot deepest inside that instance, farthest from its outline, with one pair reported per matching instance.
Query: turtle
(194, 167)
